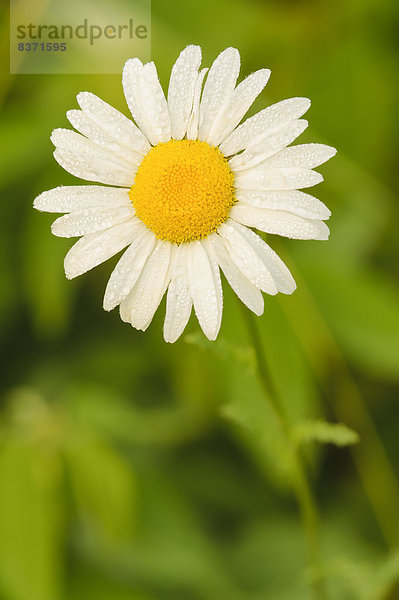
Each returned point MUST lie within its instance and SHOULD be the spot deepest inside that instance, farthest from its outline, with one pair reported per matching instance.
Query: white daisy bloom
(183, 187)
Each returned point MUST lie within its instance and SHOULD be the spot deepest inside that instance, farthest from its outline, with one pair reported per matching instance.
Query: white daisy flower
(186, 184)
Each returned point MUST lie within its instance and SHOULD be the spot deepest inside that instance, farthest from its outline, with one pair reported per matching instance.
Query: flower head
(183, 187)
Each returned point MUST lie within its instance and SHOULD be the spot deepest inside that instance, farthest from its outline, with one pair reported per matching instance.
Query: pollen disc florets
(183, 190)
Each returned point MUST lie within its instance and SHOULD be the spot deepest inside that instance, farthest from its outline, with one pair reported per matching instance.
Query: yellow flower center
(183, 190)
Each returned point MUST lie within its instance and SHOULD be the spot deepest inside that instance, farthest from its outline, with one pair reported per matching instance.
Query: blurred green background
(135, 470)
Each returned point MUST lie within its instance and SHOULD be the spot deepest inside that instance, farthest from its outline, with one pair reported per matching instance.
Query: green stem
(301, 485)
(370, 457)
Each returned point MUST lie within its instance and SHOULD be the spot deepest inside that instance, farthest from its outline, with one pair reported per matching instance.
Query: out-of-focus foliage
(135, 470)
(325, 433)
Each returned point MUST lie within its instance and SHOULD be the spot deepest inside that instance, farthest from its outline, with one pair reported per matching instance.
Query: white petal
(140, 305)
(181, 89)
(131, 81)
(271, 118)
(266, 145)
(280, 223)
(66, 139)
(281, 275)
(87, 127)
(75, 197)
(84, 158)
(154, 101)
(178, 299)
(113, 122)
(94, 248)
(192, 128)
(89, 220)
(263, 178)
(307, 156)
(241, 99)
(146, 100)
(94, 169)
(246, 258)
(205, 288)
(245, 290)
(218, 88)
(129, 267)
(293, 201)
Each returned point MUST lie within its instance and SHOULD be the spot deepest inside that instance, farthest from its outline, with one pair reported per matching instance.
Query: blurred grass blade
(103, 487)
(31, 523)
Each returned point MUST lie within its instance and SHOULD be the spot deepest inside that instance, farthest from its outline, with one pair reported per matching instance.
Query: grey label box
(78, 36)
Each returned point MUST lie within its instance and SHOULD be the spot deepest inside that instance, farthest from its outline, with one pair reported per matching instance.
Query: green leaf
(171, 549)
(49, 294)
(258, 429)
(85, 584)
(226, 351)
(325, 433)
(32, 511)
(362, 309)
(374, 578)
(103, 486)
(270, 558)
(387, 577)
(295, 388)
(108, 414)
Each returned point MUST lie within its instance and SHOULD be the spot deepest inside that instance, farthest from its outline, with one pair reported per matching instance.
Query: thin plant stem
(301, 484)
(370, 459)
